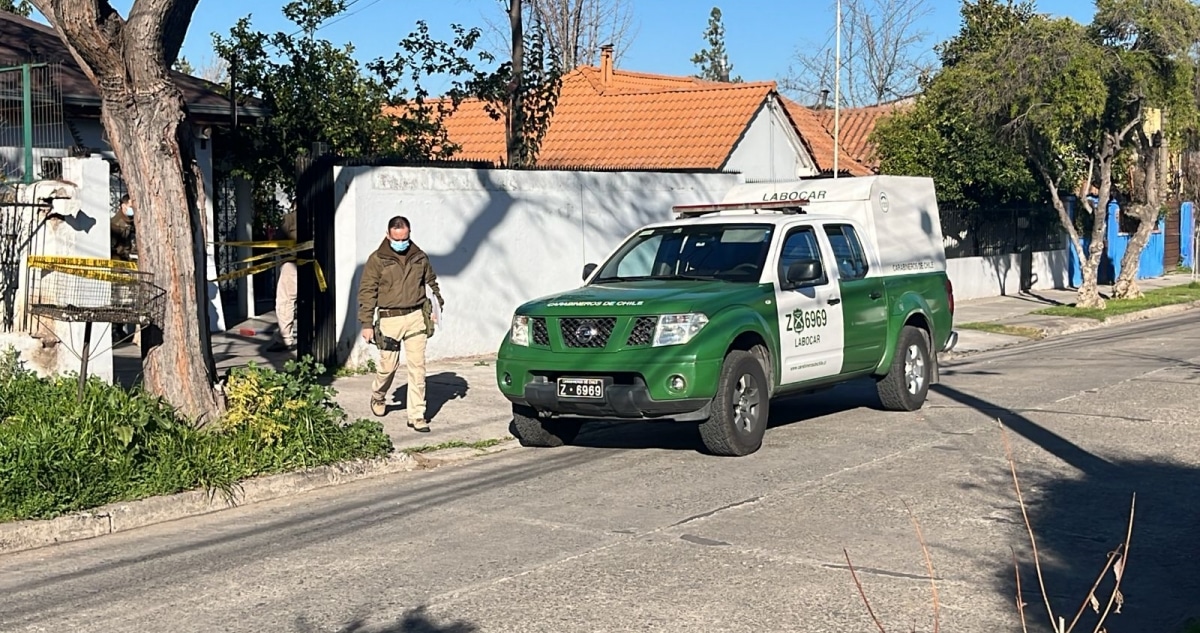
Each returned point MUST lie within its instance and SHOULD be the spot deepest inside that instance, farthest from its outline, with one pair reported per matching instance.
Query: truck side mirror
(803, 272)
(587, 270)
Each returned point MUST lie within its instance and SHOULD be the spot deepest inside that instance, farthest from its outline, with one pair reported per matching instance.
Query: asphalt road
(637, 530)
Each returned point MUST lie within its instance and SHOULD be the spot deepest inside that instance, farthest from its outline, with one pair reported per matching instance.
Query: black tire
(530, 430)
(740, 409)
(906, 384)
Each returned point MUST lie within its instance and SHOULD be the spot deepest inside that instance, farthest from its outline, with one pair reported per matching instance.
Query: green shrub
(59, 454)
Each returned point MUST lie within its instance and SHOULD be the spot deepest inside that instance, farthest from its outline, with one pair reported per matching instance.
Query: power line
(338, 18)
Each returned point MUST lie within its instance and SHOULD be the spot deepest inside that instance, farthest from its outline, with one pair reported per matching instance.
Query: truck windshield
(725, 252)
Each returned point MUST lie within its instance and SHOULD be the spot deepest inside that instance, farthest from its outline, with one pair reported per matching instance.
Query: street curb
(18, 536)
(1077, 325)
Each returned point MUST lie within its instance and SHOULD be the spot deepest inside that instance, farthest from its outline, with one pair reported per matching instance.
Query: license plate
(580, 388)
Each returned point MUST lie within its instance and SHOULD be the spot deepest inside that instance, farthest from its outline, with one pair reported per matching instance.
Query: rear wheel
(740, 408)
(531, 430)
(906, 384)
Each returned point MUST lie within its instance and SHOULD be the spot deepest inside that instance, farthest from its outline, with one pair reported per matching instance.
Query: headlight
(520, 330)
(677, 329)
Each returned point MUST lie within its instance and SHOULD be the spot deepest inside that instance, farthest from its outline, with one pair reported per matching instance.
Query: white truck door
(809, 309)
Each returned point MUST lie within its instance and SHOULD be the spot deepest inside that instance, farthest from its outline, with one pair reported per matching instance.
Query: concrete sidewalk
(464, 404)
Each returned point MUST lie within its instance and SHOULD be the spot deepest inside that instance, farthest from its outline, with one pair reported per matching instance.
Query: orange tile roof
(636, 121)
(809, 124)
(855, 127)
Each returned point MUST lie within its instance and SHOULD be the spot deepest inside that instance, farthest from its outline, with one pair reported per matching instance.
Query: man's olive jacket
(393, 280)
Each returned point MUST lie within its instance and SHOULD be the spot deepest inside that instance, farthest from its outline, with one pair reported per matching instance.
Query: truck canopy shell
(899, 213)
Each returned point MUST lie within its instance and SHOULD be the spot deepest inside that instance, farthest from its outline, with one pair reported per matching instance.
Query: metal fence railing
(990, 232)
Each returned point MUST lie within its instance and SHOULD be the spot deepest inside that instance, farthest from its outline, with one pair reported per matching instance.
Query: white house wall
(496, 238)
(79, 227)
(770, 149)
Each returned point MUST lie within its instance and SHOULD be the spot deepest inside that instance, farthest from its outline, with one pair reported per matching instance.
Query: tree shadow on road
(1080, 520)
(413, 621)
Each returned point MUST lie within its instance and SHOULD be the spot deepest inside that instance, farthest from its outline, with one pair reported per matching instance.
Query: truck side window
(799, 245)
(851, 259)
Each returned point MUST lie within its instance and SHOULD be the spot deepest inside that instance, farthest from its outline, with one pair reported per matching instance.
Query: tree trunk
(144, 116)
(1089, 264)
(515, 111)
(173, 249)
(1150, 151)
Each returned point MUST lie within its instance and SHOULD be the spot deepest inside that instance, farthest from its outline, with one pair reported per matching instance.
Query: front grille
(541, 336)
(587, 333)
(643, 332)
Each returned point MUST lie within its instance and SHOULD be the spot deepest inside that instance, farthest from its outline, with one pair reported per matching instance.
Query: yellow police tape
(114, 270)
(111, 269)
(284, 251)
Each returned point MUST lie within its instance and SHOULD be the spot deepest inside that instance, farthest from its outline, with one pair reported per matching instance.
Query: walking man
(394, 281)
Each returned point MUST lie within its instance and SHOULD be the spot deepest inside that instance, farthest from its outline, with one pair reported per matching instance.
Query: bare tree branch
(883, 56)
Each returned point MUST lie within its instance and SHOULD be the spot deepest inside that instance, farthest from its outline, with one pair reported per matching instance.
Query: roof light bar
(697, 210)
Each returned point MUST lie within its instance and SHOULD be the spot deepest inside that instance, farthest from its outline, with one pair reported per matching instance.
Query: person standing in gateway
(394, 281)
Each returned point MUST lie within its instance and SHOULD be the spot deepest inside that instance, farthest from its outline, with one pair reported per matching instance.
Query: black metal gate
(316, 311)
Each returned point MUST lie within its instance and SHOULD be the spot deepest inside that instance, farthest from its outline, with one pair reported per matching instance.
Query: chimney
(606, 64)
(824, 103)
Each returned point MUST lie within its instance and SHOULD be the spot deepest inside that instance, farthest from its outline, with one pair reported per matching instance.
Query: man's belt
(395, 312)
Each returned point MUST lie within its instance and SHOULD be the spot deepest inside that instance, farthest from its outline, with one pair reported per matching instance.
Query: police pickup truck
(781, 288)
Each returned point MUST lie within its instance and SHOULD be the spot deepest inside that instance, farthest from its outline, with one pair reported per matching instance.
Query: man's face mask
(129, 212)
(399, 246)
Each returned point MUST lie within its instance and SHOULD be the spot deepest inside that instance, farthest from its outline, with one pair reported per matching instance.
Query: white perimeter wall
(500, 238)
(979, 277)
(496, 238)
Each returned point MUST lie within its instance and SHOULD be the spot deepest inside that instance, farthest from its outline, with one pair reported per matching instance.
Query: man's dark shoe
(280, 346)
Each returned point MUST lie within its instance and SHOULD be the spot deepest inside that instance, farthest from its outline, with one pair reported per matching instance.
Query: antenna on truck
(698, 210)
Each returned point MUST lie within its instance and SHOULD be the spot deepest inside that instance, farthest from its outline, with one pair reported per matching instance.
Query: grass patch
(1000, 328)
(1153, 299)
(477, 445)
(59, 454)
(367, 368)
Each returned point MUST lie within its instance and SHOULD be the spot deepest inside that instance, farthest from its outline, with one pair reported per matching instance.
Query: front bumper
(636, 382)
(620, 401)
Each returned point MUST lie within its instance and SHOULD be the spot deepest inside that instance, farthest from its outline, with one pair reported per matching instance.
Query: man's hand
(368, 334)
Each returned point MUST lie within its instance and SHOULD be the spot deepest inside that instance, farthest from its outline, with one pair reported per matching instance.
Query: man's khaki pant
(410, 329)
(285, 303)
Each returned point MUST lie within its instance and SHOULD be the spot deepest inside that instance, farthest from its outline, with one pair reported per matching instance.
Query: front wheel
(906, 384)
(740, 408)
(531, 430)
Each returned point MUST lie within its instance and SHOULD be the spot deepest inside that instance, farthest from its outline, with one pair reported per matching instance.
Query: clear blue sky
(761, 35)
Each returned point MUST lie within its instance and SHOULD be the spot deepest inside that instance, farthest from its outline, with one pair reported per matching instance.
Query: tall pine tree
(714, 61)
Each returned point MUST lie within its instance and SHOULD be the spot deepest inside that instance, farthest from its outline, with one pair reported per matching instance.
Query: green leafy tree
(1149, 45)
(984, 23)
(939, 136)
(1049, 89)
(714, 60)
(317, 92)
(20, 7)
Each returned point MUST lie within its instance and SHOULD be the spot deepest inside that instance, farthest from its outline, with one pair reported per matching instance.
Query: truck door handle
(834, 302)
(875, 294)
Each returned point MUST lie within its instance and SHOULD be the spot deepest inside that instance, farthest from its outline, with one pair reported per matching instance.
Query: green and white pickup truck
(782, 288)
